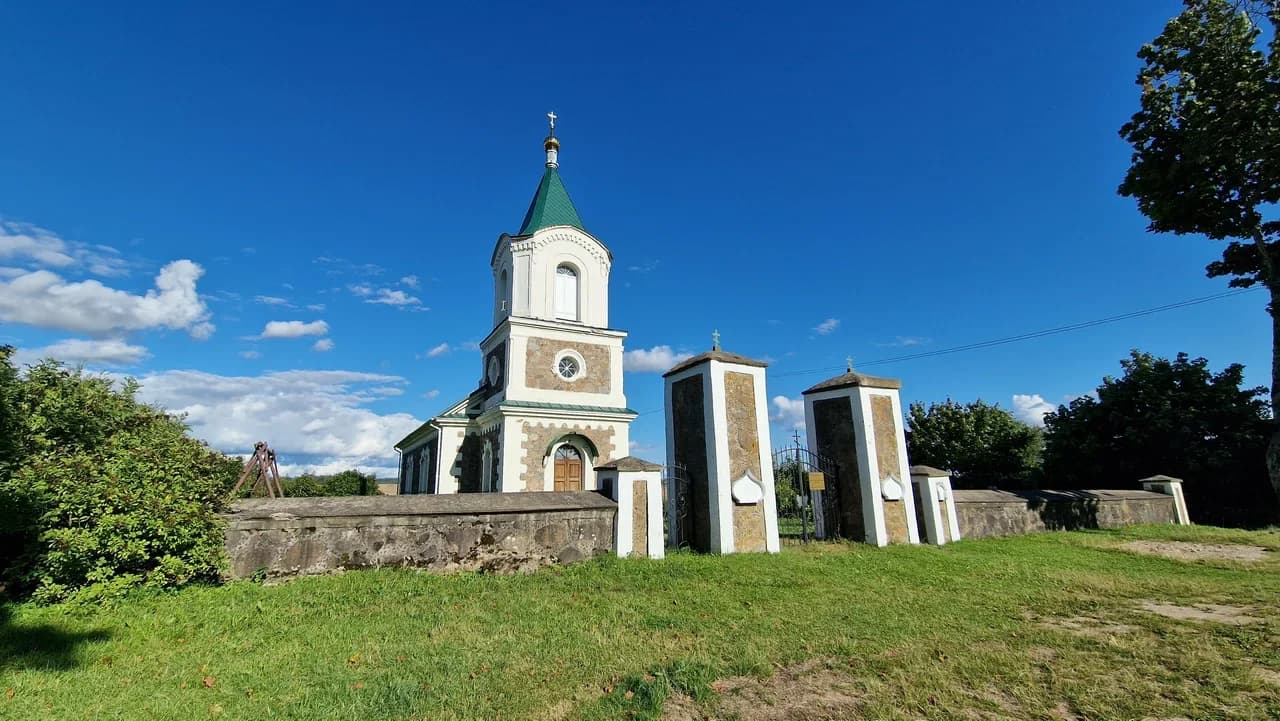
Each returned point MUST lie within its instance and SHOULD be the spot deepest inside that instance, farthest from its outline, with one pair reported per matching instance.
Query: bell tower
(551, 353)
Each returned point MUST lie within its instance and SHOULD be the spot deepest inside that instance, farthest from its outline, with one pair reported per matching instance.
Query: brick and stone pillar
(935, 506)
(1170, 487)
(637, 487)
(856, 420)
(718, 431)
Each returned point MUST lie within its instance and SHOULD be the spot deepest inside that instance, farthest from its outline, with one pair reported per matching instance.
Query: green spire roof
(551, 206)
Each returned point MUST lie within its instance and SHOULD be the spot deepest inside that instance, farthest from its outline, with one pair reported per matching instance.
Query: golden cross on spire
(551, 116)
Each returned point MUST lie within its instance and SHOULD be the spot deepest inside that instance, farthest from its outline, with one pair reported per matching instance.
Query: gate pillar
(718, 430)
(856, 420)
(637, 487)
(936, 505)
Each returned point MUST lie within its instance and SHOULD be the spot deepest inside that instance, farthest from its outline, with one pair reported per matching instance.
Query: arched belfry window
(566, 293)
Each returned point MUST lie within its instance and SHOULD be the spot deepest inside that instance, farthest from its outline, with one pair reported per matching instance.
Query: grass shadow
(41, 646)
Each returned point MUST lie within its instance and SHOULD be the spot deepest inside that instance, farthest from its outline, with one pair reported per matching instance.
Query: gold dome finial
(551, 144)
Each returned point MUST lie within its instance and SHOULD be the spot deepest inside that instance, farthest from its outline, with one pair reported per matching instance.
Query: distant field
(1051, 626)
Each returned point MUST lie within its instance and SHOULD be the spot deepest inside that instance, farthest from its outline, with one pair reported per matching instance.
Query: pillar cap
(853, 379)
(628, 463)
(928, 471)
(1160, 479)
(715, 355)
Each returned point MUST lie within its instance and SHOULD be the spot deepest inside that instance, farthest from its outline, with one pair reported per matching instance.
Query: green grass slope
(1042, 626)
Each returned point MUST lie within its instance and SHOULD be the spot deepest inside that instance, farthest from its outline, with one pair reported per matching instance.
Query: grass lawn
(1039, 627)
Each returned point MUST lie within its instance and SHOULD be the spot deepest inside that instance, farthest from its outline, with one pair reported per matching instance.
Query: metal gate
(808, 488)
(676, 501)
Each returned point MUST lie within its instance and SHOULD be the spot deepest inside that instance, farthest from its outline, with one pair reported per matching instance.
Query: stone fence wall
(490, 531)
(1007, 513)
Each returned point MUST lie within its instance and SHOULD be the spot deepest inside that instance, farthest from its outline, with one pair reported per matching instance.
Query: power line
(1033, 334)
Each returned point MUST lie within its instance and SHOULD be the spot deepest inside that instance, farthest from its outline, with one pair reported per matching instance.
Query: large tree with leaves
(982, 445)
(1173, 417)
(1206, 147)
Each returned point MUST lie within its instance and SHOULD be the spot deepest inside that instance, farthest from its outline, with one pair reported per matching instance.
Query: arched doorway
(568, 469)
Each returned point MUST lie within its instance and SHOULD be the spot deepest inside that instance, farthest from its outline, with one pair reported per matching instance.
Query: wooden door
(568, 469)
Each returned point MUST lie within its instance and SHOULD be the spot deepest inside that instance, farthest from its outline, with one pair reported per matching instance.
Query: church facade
(549, 407)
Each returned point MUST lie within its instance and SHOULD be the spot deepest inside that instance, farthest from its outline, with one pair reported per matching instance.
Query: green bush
(346, 483)
(104, 492)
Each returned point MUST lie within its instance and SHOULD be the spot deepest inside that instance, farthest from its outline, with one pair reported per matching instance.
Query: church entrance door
(568, 472)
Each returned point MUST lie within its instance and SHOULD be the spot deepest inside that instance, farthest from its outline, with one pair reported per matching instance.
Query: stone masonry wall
(538, 436)
(838, 440)
(540, 371)
(744, 456)
(1005, 513)
(688, 421)
(501, 532)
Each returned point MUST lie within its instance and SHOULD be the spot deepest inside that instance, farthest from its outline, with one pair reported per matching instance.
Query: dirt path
(1186, 551)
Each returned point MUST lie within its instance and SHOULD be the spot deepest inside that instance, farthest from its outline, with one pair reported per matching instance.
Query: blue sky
(927, 175)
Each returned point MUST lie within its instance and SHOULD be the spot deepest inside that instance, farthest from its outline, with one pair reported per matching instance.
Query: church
(549, 407)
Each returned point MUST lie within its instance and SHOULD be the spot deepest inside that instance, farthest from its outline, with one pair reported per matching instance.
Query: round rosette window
(569, 365)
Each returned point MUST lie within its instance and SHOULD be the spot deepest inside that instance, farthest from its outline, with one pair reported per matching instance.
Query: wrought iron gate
(676, 503)
(808, 493)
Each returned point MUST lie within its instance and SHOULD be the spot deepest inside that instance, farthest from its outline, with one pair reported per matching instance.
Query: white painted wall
(450, 440)
(933, 490)
(624, 493)
(534, 261)
(518, 332)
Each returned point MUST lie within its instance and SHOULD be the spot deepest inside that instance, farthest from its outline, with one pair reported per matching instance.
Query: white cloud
(904, 342)
(112, 352)
(313, 419)
(317, 307)
(344, 267)
(827, 326)
(433, 393)
(645, 267)
(657, 359)
(471, 345)
(24, 243)
(361, 290)
(410, 280)
(788, 411)
(42, 298)
(1031, 408)
(250, 354)
(293, 329)
(11, 272)
(271, 300)
(386, 296)
(438, 350)
(322, 345)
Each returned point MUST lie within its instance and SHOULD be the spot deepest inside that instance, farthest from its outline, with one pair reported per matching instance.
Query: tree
(347, 483)
(1206, 148)
(1169, 417)
(981, 445)
(107, 492)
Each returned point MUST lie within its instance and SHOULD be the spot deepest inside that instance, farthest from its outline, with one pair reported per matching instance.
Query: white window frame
(564, 309)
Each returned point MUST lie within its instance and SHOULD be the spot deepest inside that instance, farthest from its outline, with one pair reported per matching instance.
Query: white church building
(550, 405)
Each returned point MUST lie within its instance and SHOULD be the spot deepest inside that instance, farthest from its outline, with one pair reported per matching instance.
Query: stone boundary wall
(502, 532)
(1005, 513)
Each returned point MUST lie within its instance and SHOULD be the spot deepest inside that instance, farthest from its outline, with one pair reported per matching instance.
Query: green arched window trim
(582, 442)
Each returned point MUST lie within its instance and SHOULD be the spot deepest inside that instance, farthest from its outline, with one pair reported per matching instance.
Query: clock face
(494, 371)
